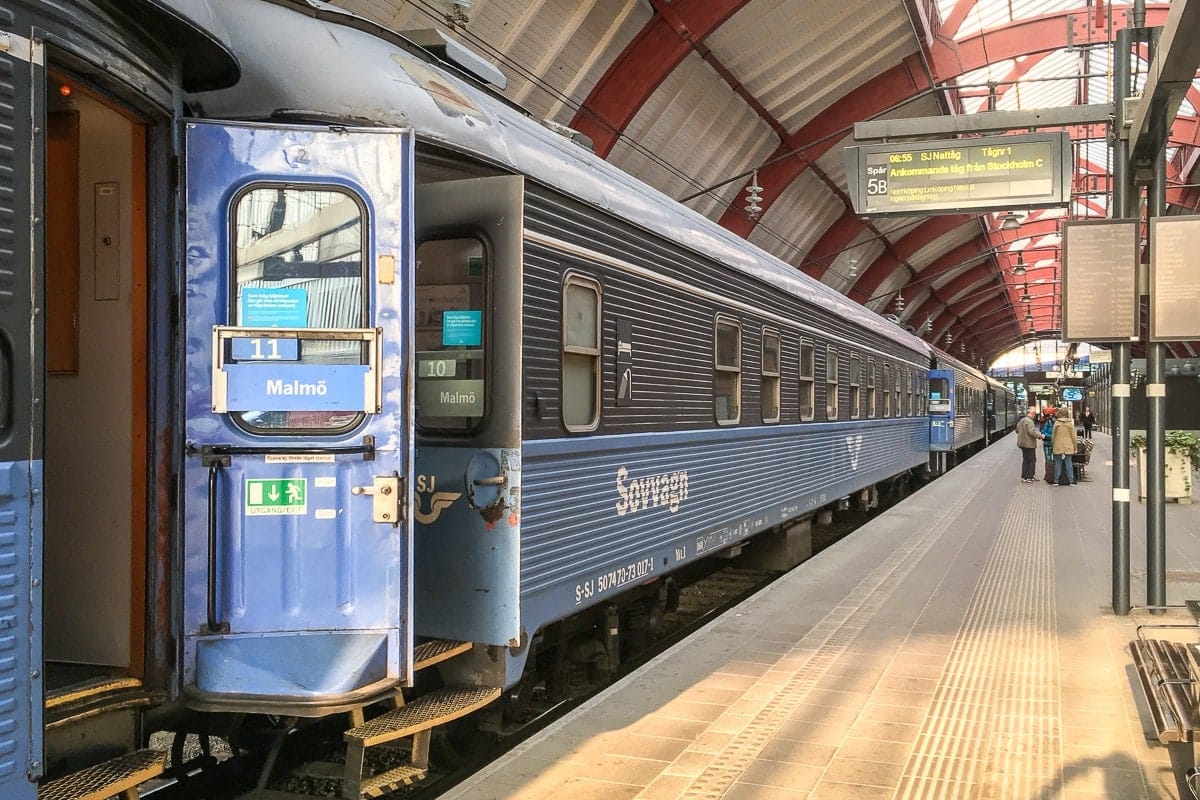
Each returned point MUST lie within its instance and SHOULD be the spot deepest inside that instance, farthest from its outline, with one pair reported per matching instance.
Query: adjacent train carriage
(967, 410)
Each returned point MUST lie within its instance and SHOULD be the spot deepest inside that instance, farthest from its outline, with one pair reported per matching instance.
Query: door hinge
(387, 498)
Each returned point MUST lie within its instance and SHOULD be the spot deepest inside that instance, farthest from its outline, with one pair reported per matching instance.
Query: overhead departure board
(952, 175)
(1099, 280)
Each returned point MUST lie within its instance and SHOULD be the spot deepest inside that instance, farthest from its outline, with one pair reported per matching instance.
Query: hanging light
(962, 347)
(949, 338)
(1025, 297)
(753, 197)
(853, 268)
(1029, 319)
(1009, 221)
(928, 326)
(899, 302)
(1019, 269)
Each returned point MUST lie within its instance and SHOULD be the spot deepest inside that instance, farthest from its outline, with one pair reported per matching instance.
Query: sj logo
(853, 447)
(438, 501)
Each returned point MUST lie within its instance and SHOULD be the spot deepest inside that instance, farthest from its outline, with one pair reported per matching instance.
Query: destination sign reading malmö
(952, 175)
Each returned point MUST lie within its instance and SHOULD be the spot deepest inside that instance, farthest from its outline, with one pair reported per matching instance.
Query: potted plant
(1181, 458)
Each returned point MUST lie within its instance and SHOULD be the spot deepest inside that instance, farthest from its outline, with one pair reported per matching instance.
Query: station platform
(961, 645)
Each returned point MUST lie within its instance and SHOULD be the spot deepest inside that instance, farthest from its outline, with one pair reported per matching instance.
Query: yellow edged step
(416, 720)
(115, 776)
(426, 654)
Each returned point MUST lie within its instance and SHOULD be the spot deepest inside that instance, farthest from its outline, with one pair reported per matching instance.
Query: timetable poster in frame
(1174, 279)
(1099, 277)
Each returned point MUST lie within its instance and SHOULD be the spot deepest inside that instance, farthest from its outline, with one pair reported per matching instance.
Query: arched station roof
(698, 97)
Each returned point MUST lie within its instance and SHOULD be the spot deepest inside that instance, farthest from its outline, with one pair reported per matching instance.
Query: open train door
(468, 294)
(21, 433)
(297, 540)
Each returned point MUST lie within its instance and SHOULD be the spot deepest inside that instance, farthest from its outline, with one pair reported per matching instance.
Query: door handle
(499, 480)
(386, 503)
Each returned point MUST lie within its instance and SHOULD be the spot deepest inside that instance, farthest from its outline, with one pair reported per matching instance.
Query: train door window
(808, 376)
(451, 321)
(727, 371)
(298, 262)
(855, 386)
(912, 393)
(831, 383)
(939, 396)
(581, 353)
(871, 388)
(887, 390)
(770, 376)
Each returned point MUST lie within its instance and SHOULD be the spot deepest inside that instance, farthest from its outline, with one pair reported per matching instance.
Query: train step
(436, 651)
(95, 697)
(118, 776)
(417, 720)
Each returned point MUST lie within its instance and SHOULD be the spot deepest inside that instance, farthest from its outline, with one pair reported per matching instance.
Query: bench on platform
(1168, 682)
(1082, 457)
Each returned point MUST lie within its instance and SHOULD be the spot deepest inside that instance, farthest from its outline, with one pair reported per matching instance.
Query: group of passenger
(1060, 441)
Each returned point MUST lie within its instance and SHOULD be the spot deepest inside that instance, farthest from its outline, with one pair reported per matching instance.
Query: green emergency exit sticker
(269, 496)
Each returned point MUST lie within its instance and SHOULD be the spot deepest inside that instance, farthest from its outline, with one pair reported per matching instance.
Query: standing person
(1064, 443)
(1088, 419)
(1047, 428)
(1027, 439)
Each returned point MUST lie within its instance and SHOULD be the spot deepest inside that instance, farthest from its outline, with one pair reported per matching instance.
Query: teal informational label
(263, 307)
(462, 328)
(275, 496)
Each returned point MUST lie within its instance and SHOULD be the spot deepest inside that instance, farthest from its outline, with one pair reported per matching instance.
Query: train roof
(303, 59)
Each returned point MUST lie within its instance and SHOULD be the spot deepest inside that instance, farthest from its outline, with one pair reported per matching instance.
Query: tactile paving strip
(994, 726)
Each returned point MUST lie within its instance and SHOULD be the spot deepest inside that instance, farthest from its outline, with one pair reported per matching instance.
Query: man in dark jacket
(1027, 439)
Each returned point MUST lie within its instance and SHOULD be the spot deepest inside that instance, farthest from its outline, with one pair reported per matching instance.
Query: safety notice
(273, 496)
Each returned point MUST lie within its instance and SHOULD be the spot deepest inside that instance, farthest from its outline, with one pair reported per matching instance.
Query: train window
(831, 383)
(770, 376)
(298, 263)
(887, 390)
(808, 375)
(871, 388)
(727, 371)
(897, 388)
(451, 324)
(855, 386)
(581, 354)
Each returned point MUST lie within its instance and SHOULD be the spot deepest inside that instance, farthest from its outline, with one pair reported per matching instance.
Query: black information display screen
(952, 175)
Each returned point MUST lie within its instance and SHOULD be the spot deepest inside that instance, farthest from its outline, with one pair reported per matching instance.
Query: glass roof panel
(989, 14)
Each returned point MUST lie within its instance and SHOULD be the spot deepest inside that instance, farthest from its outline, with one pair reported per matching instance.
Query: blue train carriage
(1001, 407)
(958, 415)
(608, 387)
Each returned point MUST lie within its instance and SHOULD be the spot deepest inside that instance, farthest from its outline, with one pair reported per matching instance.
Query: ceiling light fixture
(1009, 221)
(1019, 268)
